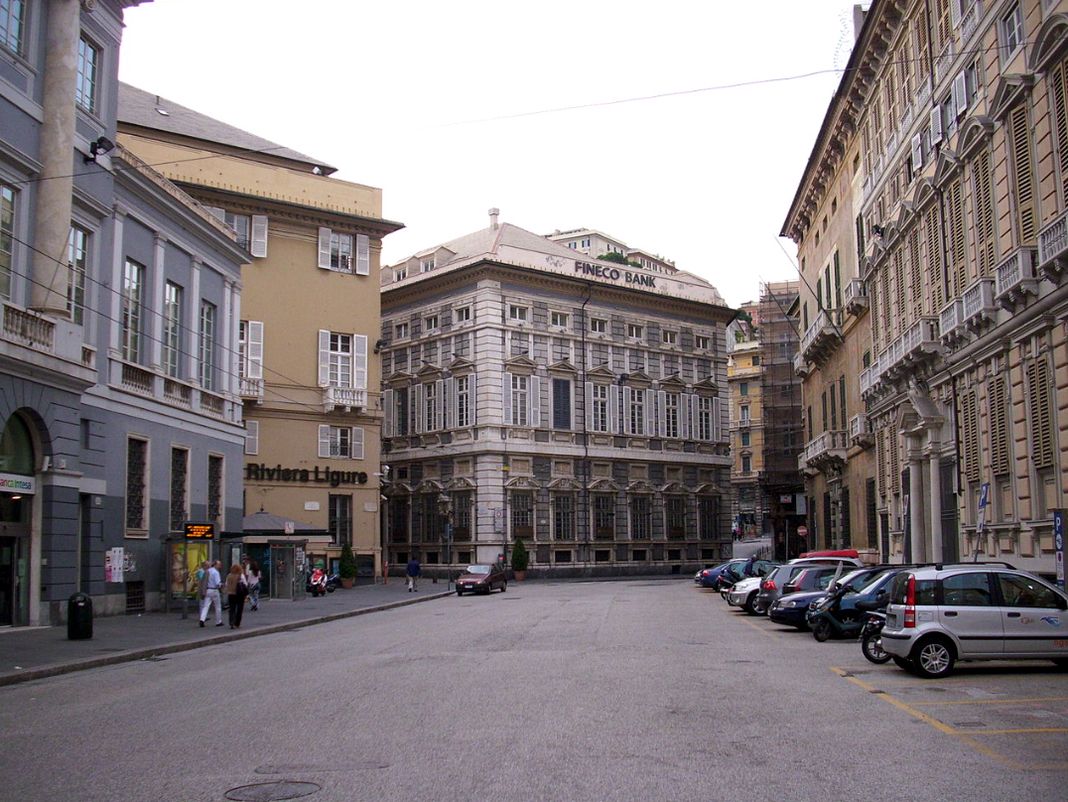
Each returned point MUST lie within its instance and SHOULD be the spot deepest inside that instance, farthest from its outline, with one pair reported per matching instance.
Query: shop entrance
(14, 559)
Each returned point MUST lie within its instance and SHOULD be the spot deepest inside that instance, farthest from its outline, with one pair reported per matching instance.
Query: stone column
(50, 277)
(935, 462)
(919, 553)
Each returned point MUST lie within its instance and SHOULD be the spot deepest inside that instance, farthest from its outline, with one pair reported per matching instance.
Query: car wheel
(933, 658)
(749, 602)
(504, 587)
(872, 647)
(903, 663)
(459, 592)
(821, 629)
(758, 608)
(330, 589)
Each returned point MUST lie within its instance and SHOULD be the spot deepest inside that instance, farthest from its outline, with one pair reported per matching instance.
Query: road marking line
(752, 624)
(926, 719)
(1020, 731)
(994, 701)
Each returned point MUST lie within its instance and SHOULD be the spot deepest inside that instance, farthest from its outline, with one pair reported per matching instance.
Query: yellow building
(309, 324)
(747, 437)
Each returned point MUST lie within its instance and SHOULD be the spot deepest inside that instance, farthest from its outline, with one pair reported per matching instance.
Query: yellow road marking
(994, 701)
(1021, 731)
(752, 624)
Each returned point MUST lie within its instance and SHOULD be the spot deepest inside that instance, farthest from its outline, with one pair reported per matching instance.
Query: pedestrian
(412, 571)
(748, 570)
(212, 582)
(252, 578)
(199, 579)
(236, 590)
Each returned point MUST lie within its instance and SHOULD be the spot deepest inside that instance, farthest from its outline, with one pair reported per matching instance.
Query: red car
(481, 579)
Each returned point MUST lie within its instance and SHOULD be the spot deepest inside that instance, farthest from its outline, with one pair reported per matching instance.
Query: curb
(184, 646)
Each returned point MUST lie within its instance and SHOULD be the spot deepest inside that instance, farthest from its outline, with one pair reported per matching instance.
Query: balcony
(1053, 249)
(53, 345)
(827, 449)
(871, 380)
(212, 404)
(146, 382)
(892, 360)
(1015, 278)
(920, 342)
(801, 367)
(252, 389)
(860, 433)
(821, 338)
(856, 296)
(744, 423)
(979, 309)
(951, 323)
(970, 21)
(137, 379)
(347, 398)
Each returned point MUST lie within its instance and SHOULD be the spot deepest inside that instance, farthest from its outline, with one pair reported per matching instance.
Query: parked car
(793, 609)
(736, 571)
(940, 614)
(707, 577)
(743, 593)
(482, 579)
(772, 586)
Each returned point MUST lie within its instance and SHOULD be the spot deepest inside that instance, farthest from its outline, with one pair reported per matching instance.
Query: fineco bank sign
(615, 274)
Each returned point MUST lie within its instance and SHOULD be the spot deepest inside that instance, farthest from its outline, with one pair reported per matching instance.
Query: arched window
(16, 448)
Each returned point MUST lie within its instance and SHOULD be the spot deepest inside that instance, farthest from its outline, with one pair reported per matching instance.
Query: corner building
(538, 394)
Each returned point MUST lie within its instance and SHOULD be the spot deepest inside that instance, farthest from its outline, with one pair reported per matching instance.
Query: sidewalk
(32, 653)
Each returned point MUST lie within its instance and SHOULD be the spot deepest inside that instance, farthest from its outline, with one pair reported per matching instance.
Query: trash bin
(79, 617)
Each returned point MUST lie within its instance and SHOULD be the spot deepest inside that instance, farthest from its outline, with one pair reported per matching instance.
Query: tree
(520, 558)
(618, 258)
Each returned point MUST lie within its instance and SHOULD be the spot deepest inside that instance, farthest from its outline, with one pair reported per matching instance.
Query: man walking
(413, 572)
(212, 582)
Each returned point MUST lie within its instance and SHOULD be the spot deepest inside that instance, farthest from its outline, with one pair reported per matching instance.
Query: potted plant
(347, 568)
(520, 559)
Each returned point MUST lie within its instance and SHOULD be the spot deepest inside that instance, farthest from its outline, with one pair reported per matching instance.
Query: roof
(138, 107)
(266, 522)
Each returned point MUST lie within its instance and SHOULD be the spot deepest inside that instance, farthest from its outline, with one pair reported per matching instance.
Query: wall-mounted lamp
(379, 344)
(99, 146)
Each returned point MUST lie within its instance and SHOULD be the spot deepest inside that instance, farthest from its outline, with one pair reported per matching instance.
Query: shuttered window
(999, 430)
(880, 461)
(895, 464)
(915, 275)
(900, 310)
(1059, 94)
(561, 403)
(985, 247)
(933, 243)
(1041, 418)
(969, 428)
(252, 437)
(1023, 174)
(957, 239)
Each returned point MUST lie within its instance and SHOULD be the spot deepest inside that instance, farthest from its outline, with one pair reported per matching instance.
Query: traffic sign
(1058, 544)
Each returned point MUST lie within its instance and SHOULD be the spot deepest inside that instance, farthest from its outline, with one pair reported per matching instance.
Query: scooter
(318, 583)
(871, 638)
(826, 618)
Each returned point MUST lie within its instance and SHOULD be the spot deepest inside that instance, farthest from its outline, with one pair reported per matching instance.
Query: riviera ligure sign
(615, 274)
(264, 473)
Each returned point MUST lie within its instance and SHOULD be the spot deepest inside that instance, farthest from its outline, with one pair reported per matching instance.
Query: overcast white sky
(421, 99)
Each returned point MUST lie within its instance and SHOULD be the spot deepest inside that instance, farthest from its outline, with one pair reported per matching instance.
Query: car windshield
(877, 581)
(478, 569)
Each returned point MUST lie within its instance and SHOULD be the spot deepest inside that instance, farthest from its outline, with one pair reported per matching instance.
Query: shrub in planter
(347, 568)
(520, 559)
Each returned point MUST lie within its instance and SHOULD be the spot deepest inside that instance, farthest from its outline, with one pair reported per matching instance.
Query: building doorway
(14, 559)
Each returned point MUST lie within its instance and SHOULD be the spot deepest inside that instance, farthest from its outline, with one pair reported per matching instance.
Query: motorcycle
(826, 618)
(319, 583)
(871, 638)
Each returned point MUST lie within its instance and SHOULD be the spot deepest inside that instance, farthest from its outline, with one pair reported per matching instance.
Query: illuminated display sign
(194, 531)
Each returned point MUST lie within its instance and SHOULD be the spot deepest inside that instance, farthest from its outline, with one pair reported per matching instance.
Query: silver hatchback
(940, 614)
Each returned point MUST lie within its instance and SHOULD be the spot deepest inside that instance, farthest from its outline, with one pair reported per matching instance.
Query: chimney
(493, 218)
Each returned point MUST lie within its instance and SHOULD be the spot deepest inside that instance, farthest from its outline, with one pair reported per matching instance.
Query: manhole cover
(268, 792)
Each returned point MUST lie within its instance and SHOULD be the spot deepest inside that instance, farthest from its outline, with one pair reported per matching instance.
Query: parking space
(1013, 713)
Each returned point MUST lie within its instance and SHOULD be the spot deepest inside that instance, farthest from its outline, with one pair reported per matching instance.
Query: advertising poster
(186, 558)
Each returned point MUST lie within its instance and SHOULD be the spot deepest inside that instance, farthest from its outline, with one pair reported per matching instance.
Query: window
(463, 401)
(967, 590)
(1022, 591)
(744, 413)
(7, 237)
(431, 323)
(77, 251)
(634, 331)
(517, 313)
(340, 442)
(1012, 29)
(340, 519)
(600, 407)
(745, 438)
(463, 314)
(215, 488)
(172, 328)
(427, 264)
(85, 88)
(344, 253)
(756, 361)
(519, 400)
(401, 331)
(670, 337)
(430, 407)
(252, 437)
(563, 516)
(561, 403)
(604, 517)
(704, 418)
(12, 24)
(132, 293)
(702, 342)
(641, 518)
(400, 411)
(522, 507)
(743, 388)
(242, 227)
(747, 463)
(598, 325)
(671, 415)
(637, 412)
(558, 319)
(400, 273)
(340, 360)
(179, 488)
(207, 345)
(136, 484)
(675, 513)
(706, 517)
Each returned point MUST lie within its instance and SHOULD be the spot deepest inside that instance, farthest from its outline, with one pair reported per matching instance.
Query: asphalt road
(631, 690)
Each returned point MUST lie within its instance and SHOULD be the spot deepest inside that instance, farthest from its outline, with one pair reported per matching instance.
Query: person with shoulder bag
(236, 591)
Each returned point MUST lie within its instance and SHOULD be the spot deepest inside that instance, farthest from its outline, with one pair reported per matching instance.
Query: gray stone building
(531, 392)
(119, 300)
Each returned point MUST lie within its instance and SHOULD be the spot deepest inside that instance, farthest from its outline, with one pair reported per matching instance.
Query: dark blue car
(708, 577)
(866, 583)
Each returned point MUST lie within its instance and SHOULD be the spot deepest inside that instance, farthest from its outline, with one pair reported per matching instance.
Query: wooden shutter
(359, 361)
(717, 420)
(837, 282)
(985, 246)
(899, 280)
(259, 236)
(1041, 419)
(324, 357)
(1023, 173)
(506, 398)
(628, 400)
(895, 470)
(999, 433)
(357, 443)
(958, 261)
(917, 153)
(252, 437)
(561, 404)
(363, 255)
(1059, 92)
(935, 120)
(389, 413)
(933, 242)
(960, 94)
(880, 461)
(324, 248)
(324, 440)
(254, 349)
(969, 427)
(921, 47)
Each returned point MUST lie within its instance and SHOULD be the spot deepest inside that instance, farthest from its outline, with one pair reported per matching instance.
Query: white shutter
(252, 437)
(628, 399)
(613, 409)
(420, 409)
(357, 442)
(324, 358)
(685, 407)
(650, 416)
(955, 12)
(359, 355)
(439, 404)
(506, 398)
(587, 411)
(472, 401)
(363, 255)
(917, 152)
(535, 402)
(661, 414)
(324, 248)
(259, 235)
(717, 432)
(254, 349)
(390, 412)
(324, 441)
(215, 211)
(450, 403)
(936, 125)
(960, 93)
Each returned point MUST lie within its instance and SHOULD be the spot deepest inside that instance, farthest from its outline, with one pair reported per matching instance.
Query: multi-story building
(746, 438)
(591, 242)
(576, 404)
(946, 145)
(120, 414)
(306, 350)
